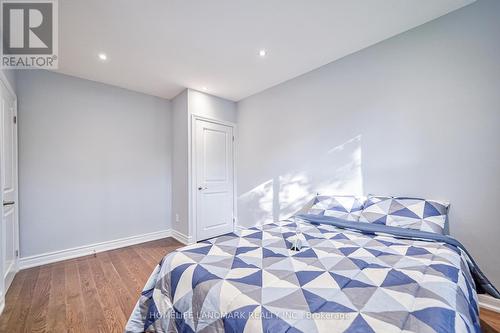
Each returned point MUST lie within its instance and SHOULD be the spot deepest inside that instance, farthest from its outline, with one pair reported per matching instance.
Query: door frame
(5, 284)
(192, 183)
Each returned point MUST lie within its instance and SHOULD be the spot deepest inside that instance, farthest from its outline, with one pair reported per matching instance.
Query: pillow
(345, 207)
(411, 213)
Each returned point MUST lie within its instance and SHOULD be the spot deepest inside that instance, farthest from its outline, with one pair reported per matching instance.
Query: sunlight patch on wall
(337, 171)
(295, 192)
(258, 203)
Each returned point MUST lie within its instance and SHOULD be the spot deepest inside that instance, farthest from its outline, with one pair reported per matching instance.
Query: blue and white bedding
(347, 277)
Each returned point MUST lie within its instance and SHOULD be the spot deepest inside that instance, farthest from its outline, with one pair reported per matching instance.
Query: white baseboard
(50, 257)
(184, 239)
(488, 302)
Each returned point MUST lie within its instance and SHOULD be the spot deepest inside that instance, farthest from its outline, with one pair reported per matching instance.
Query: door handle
(202, 188)
(8, 203)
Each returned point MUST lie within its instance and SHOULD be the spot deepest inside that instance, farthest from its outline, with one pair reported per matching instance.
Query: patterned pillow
(411, 213)
(346, 207)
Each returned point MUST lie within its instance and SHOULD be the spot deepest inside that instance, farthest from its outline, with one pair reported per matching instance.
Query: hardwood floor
(490, 321)
(97, 293)
(87, 294)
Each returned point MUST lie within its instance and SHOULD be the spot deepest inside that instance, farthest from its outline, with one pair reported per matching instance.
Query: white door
(213, 168)
(8, 181)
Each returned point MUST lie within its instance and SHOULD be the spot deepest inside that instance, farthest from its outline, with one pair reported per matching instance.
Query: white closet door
(213, 165)
(8, 183)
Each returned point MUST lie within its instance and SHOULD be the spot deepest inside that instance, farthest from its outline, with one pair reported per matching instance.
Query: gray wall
(180, 203)
(415, 115)
(210, 106)
(94, 162)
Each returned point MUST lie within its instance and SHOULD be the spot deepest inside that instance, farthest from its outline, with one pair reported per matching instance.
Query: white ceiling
(159, 47)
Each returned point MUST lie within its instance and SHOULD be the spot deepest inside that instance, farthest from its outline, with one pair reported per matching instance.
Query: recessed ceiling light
(262, 53)
(102, 56)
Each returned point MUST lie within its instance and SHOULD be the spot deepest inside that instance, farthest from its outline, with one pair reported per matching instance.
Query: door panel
(213, 165)
(215, 155)
(215, 206)
(7, 143)
(10, 246)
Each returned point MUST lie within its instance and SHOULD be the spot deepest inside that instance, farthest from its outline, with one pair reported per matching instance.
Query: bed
(347, 277)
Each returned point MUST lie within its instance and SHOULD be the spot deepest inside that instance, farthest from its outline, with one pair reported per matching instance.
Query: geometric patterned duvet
(340, 281)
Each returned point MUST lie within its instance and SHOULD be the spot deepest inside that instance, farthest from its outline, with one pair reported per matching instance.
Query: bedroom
(182, 123)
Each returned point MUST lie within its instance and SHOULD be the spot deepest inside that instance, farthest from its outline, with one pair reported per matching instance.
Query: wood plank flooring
(490, 321)
(87, 294)
(97, 294)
